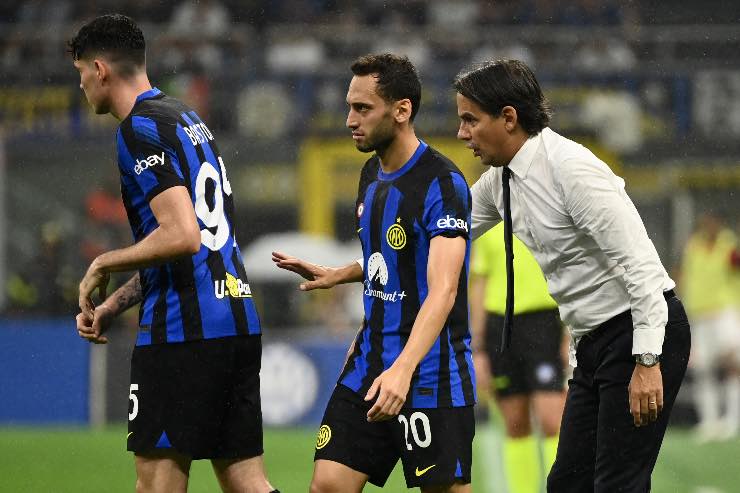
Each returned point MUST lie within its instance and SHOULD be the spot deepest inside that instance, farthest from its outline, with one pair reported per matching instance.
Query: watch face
(648, 359)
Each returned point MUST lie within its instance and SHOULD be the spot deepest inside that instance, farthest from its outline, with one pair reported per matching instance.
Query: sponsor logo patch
(450, 222)
(144, 164)
(232, 286)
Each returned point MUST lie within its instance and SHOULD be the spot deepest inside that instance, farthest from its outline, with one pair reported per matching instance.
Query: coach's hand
(93, 328)
(317, 276)
(391, 387)
(646, 394)
(95, 278)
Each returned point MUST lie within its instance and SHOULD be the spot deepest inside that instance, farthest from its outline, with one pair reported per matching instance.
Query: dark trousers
(600, 448)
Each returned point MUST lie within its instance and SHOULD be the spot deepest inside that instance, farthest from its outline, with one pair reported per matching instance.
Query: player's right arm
(118, 302)
(318, 276)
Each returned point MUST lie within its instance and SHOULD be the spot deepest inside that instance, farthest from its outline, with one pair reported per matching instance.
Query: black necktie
(509, 247)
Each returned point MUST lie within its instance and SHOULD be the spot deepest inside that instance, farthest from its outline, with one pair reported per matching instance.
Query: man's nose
(462, 133)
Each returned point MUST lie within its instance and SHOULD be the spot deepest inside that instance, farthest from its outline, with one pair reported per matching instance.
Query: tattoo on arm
(127, 295)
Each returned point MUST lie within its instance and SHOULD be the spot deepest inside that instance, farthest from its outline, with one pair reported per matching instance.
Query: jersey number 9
(212, 217)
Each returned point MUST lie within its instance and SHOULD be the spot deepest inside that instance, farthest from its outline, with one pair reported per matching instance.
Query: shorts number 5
(132, 397)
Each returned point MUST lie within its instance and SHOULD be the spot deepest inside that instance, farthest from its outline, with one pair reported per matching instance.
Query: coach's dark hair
(397, 77)
(493, 85)
(115, 36)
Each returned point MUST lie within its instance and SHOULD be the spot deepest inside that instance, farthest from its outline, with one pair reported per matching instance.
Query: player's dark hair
(114, 36)
(397, 77)
(493, 85)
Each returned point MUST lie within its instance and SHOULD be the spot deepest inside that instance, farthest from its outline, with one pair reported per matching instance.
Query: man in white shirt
(631, 336)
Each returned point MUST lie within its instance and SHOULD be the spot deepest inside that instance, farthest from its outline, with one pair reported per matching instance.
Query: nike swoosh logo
(129, 434)
(423, 471)
(359, 230)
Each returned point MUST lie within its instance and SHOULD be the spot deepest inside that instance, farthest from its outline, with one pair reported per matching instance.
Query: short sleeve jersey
(397, 215)
(161, 144)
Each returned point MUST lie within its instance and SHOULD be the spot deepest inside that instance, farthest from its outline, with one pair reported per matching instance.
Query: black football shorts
(532, 362)
(198, 398)
(435, 445)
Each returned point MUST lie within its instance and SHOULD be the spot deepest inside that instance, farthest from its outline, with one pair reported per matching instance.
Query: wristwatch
(647, 359)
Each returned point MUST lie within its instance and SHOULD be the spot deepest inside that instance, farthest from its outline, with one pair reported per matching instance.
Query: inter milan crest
(323, 437)
(396, 236)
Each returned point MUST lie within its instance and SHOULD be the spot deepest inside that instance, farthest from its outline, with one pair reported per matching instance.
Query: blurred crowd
(305, 35)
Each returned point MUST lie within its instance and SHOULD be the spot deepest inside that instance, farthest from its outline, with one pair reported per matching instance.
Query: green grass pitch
(79, 460)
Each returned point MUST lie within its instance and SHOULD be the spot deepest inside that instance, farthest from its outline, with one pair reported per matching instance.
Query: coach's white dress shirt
(574, 216)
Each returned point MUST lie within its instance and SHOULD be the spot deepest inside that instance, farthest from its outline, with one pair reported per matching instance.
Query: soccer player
(195, 367)
(408, 387)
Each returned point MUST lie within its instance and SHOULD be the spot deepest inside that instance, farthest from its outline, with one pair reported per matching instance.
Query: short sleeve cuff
(648, 341)
(162, 186)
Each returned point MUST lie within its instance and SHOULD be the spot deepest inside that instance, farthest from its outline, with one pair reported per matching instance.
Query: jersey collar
(409, 164)
(151, 93)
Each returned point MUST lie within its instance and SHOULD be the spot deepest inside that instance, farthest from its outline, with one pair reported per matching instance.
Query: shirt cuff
(361, 261)
(648, 341)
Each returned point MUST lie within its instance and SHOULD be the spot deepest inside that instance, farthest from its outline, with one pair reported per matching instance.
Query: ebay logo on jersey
(449, 222)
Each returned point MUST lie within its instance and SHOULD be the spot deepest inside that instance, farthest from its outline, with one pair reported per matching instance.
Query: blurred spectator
(45, 285)
(708, 277)
(512, 51)
(106, 225)
(605, 54)
(195, 30)
(294, 53)
(460, 14)
(35, 23)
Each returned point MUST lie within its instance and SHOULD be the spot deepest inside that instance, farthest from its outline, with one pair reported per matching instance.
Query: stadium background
(653, 87)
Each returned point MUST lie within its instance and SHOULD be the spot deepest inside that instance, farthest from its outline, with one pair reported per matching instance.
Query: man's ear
(102, 69)
(402, 110)
(510, 118)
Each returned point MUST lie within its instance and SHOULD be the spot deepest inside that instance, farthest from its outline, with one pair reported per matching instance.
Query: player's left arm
(177, 235)
(446, 258)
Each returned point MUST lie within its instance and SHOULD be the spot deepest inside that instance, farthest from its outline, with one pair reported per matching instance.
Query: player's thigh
(515, 411)
(436, 445)
(333, 477)
(705, 345)
(728, 334)
(548, 408)
(347, 439)
(164, 472)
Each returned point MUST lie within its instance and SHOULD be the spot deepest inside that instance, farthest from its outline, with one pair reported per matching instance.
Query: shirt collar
(151, 93)
(522, 160)
(409, 164)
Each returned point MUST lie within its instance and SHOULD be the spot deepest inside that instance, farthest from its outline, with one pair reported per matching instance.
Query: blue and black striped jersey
(397, 216)
(162, 144)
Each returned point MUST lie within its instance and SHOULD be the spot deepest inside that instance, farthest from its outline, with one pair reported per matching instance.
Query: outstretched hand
(317, 276)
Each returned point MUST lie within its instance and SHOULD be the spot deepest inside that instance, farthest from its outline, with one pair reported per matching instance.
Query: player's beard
(381, 137)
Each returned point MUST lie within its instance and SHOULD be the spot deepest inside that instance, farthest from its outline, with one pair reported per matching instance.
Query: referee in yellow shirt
(528, 377)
